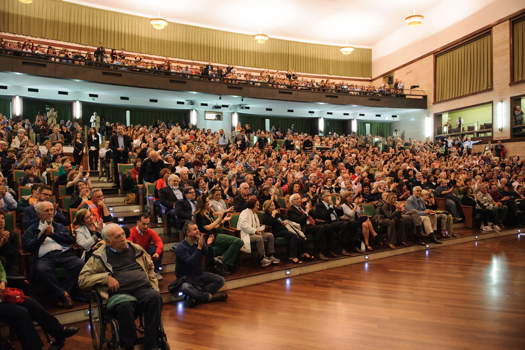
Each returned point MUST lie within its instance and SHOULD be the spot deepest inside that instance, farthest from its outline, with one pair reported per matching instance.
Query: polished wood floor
(469, 296)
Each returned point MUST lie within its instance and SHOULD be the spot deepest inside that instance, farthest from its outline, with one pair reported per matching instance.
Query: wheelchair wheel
(97, 324)
(114, 342)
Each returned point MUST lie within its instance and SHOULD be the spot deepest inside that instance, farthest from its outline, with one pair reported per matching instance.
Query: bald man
(121, 267)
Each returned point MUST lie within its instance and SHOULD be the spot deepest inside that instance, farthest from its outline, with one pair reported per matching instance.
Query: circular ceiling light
(261, 38)
(414, 20)
(27, 2)
(158, 23)
(346, 50)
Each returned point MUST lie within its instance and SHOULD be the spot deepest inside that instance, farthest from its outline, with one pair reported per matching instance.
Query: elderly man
(415, 205)
(51, 244)
(125, 274)
(169, 195)
(30, 216)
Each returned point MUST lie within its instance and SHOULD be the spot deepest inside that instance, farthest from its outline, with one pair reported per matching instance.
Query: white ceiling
(19, 83)
(337, 22)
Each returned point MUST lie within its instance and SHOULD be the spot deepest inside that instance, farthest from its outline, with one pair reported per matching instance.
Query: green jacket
(95, 272)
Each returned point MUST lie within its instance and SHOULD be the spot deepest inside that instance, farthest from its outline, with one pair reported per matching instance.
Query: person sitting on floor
(198, 286)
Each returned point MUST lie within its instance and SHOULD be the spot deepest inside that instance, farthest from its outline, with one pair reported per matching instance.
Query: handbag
(13, 296)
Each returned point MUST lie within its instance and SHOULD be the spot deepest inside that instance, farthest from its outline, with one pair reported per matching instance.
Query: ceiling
(19, 83)
(337, 22)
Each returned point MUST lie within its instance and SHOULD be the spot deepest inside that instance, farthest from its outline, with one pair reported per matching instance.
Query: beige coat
(95, 272)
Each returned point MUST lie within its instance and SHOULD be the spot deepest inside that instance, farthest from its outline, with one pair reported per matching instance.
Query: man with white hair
(20, 139)
(124, 273)
(51, 245)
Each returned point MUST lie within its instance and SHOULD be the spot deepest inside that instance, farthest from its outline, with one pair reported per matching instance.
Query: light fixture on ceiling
(261, 38)
(158, 23)
(346, 50)
(26, 2)
(414, 19)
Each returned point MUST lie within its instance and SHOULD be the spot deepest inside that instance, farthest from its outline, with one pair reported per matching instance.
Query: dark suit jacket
(94, 142)
(167, 197)
(113, 145)
(297, 216)
(32, 243)
(30, 217)
(183, 210)
(323, 213)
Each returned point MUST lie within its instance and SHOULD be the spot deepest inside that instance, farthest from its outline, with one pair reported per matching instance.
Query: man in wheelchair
(124, 273)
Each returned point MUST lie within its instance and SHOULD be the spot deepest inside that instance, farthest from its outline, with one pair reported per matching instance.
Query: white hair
(107, 229)
(294, 197)
(39, 207)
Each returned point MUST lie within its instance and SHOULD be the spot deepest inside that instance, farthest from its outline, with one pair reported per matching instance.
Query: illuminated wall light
(26, 2)
(288, 272)
(158, 23)
(346, 50)
(235, 119)
(366, 257)
(500, 109)
(429, 127)
(77, 110)
(261, 38)
(321, 125)
(193, 117)
(354, 125)
(17, 106)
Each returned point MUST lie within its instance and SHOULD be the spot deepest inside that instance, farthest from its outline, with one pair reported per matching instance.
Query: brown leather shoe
(391, 246)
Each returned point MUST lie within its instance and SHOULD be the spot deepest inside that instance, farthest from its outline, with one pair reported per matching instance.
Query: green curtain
(334, 126)
(301, 124)
(376, 128)
(33, 106)
(256, 121)
(151, 116)
(74, 23)
(464, 70)
(518, 49)
(5, 106)
(112, 114)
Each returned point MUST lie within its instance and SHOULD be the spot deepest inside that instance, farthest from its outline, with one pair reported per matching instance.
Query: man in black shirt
(151, 167)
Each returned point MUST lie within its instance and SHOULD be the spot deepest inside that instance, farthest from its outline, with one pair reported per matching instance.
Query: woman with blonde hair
(87, 233)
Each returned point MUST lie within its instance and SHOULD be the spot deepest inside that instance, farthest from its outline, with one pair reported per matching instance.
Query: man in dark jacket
(120, 145)
(151, 167)
(51, 245)
(185, 208)
(198, 286)
(30, 215)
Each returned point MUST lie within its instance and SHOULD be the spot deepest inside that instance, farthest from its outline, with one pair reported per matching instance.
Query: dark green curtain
(33, 106)
(334, 126)
(112, 114)
(151, 116)
(301, 125)
(5, 106)
(256, 121)
(376, 128)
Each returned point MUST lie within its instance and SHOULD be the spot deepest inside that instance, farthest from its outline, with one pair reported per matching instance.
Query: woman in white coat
(253, 232)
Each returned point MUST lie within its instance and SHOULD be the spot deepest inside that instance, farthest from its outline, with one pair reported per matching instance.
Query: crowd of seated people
(324, 197)
(123, 60)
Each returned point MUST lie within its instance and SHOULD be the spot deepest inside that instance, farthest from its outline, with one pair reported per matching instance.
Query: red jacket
(145, 240)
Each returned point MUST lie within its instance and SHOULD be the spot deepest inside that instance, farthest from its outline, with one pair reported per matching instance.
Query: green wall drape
(376, 128)
(150, 116)
(5, 106)
(90, 26)
(33, 106)
(518, 49)
(334, 126)
(112, 114)
(256, 121)
(301, 125)
(465, 69)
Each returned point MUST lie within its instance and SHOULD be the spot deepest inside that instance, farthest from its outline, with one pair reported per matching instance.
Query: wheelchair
(104, 328)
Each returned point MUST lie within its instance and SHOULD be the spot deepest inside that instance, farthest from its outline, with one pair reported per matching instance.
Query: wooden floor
(468, 296)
